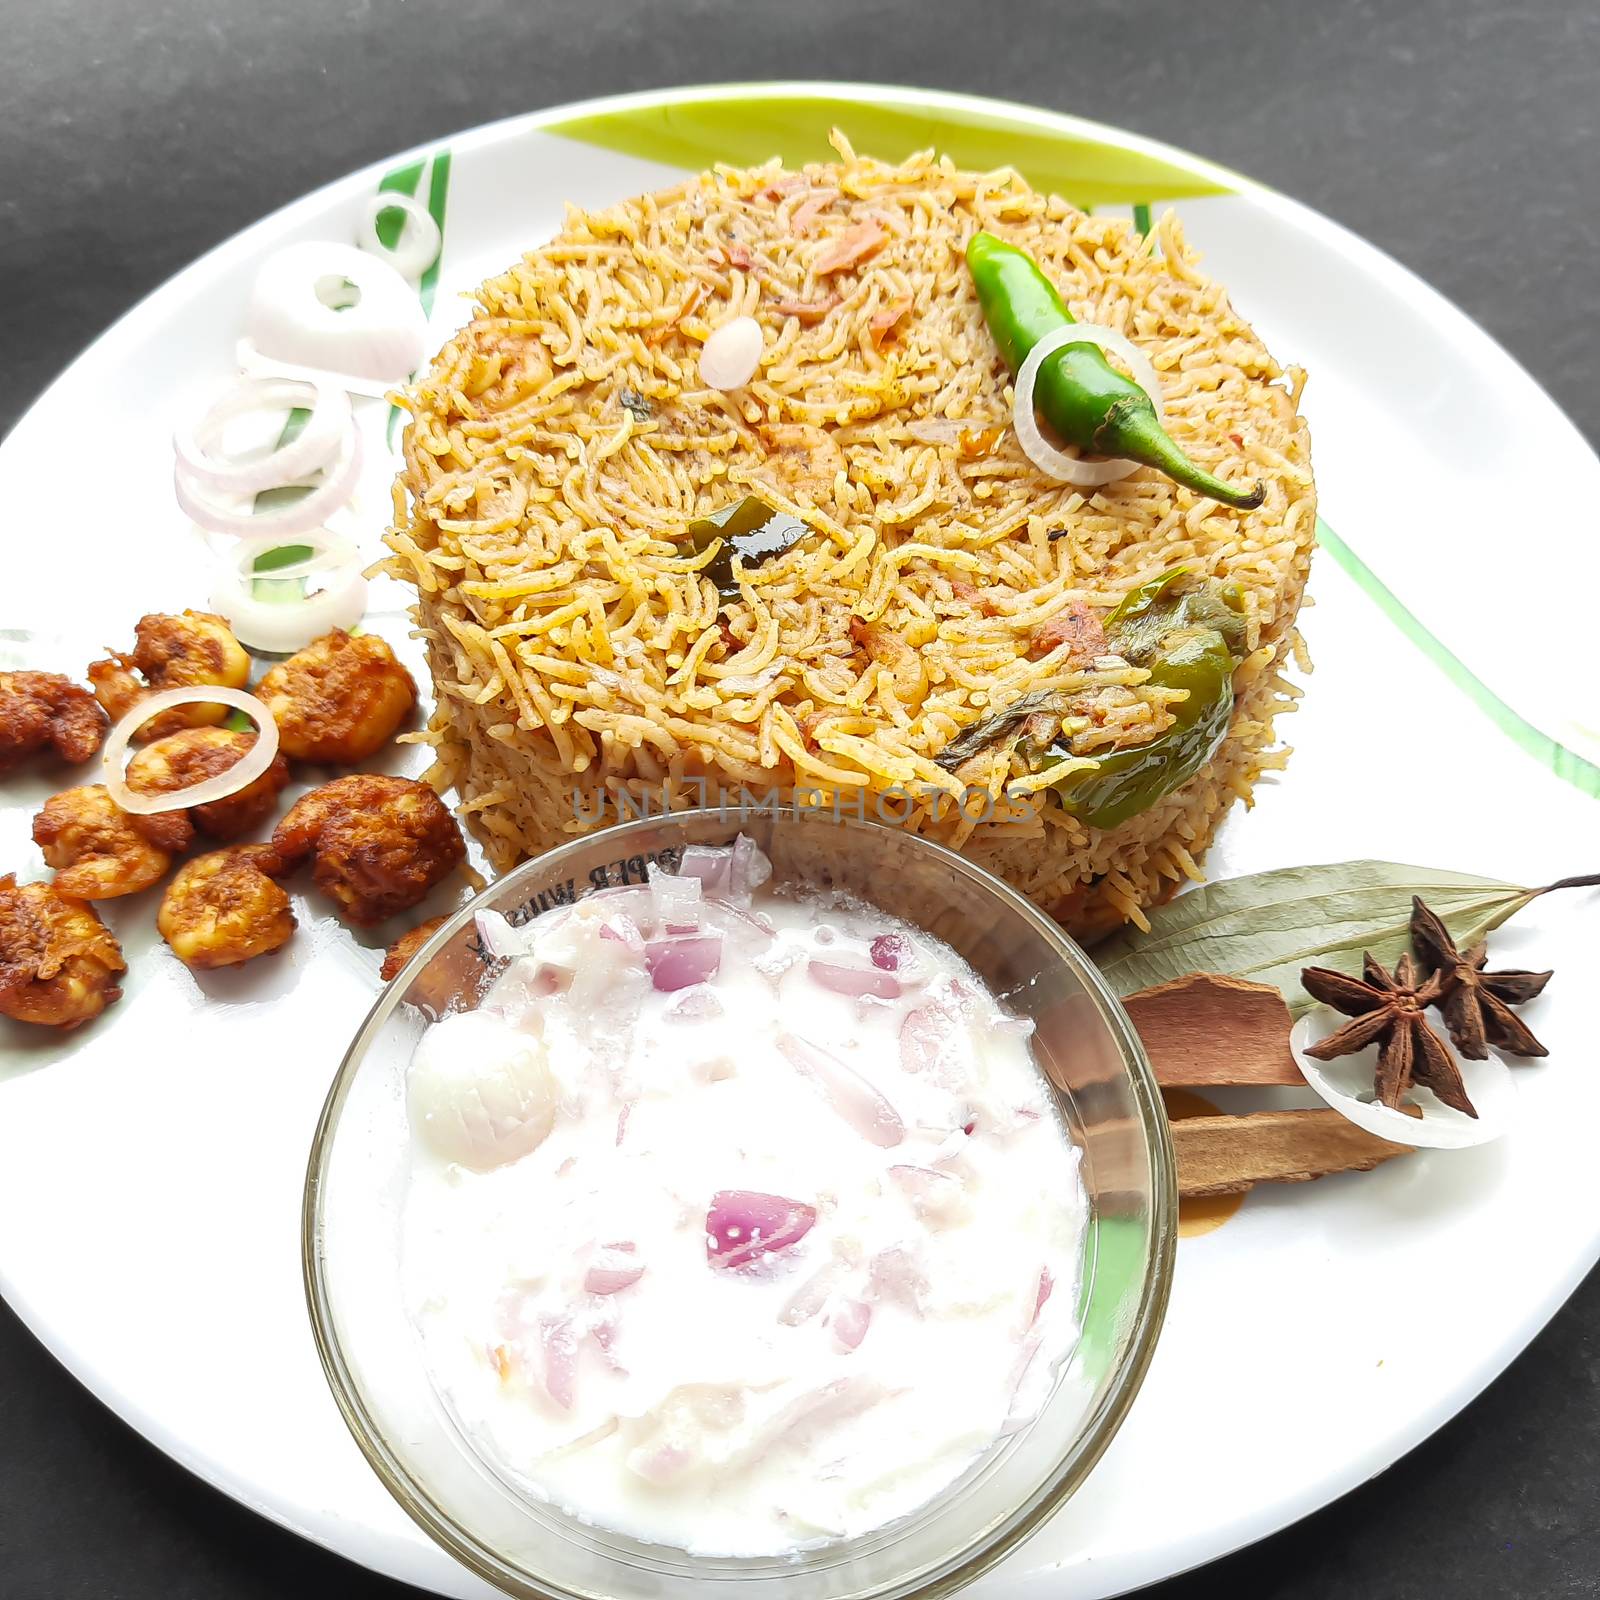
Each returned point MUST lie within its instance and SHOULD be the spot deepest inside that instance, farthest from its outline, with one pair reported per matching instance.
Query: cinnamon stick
(1208, 1030)
(1227, 1154)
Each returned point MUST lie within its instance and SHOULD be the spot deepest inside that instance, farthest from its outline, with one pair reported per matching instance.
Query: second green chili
(1187, 640)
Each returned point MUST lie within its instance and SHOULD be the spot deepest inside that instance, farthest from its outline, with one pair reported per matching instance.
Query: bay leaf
(1269, 925)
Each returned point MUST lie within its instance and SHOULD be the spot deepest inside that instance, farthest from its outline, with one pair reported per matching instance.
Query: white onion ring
(318, 443)
(383, 336)
(1342, 1084)
(280, 627)
(330, 551)
(300, 516)
(1054, 463)
(240, 775)
(420, 240)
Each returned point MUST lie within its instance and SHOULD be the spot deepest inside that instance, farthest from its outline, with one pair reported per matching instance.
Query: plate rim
(1358, 254)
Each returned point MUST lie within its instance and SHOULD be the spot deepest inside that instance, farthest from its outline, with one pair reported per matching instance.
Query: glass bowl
(1084, 1046)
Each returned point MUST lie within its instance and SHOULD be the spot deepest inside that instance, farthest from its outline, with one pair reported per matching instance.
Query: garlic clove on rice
(729, 358)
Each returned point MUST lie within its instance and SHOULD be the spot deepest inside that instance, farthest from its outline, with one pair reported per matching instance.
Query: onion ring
(420, 240)
(329, 552)
(1345, 1085)
(381, 337)
(1055, 463)
(299, 516)
(240, 775)
(280, 627)
(312, 449)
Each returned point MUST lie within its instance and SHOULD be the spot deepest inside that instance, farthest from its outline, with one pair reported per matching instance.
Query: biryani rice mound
(585, 667)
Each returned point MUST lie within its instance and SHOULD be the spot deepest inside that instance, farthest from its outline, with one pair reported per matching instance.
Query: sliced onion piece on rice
(1055, 463)
(382, 335)
(199, 447)
(280, 626)
(417, 247)
(240, 775)
(239, 518)
(937, 430)
(1346, 1084)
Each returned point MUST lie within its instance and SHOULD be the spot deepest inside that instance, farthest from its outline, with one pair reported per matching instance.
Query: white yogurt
(742, 1264)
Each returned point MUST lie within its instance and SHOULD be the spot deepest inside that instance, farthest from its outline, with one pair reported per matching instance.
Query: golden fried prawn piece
(115, 686)
(406, 946)
(101, 851)
(40, 709)
(224, 908)
(378, 843)
(338, 700)
(59, 962)
(194, 754)
(172, 652)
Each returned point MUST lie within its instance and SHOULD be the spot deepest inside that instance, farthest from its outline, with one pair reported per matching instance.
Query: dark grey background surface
(1460, 135)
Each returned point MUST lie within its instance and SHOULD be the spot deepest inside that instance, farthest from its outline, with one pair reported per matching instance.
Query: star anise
(1390, 1009)
(1476, 1004)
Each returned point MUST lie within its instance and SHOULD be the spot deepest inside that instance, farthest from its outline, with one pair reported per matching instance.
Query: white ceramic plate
(150, 1168)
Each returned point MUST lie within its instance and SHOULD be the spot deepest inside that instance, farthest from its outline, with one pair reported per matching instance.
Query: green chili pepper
(1082, 396)
(1147, 614)
(750, 529)
(1187, 641)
